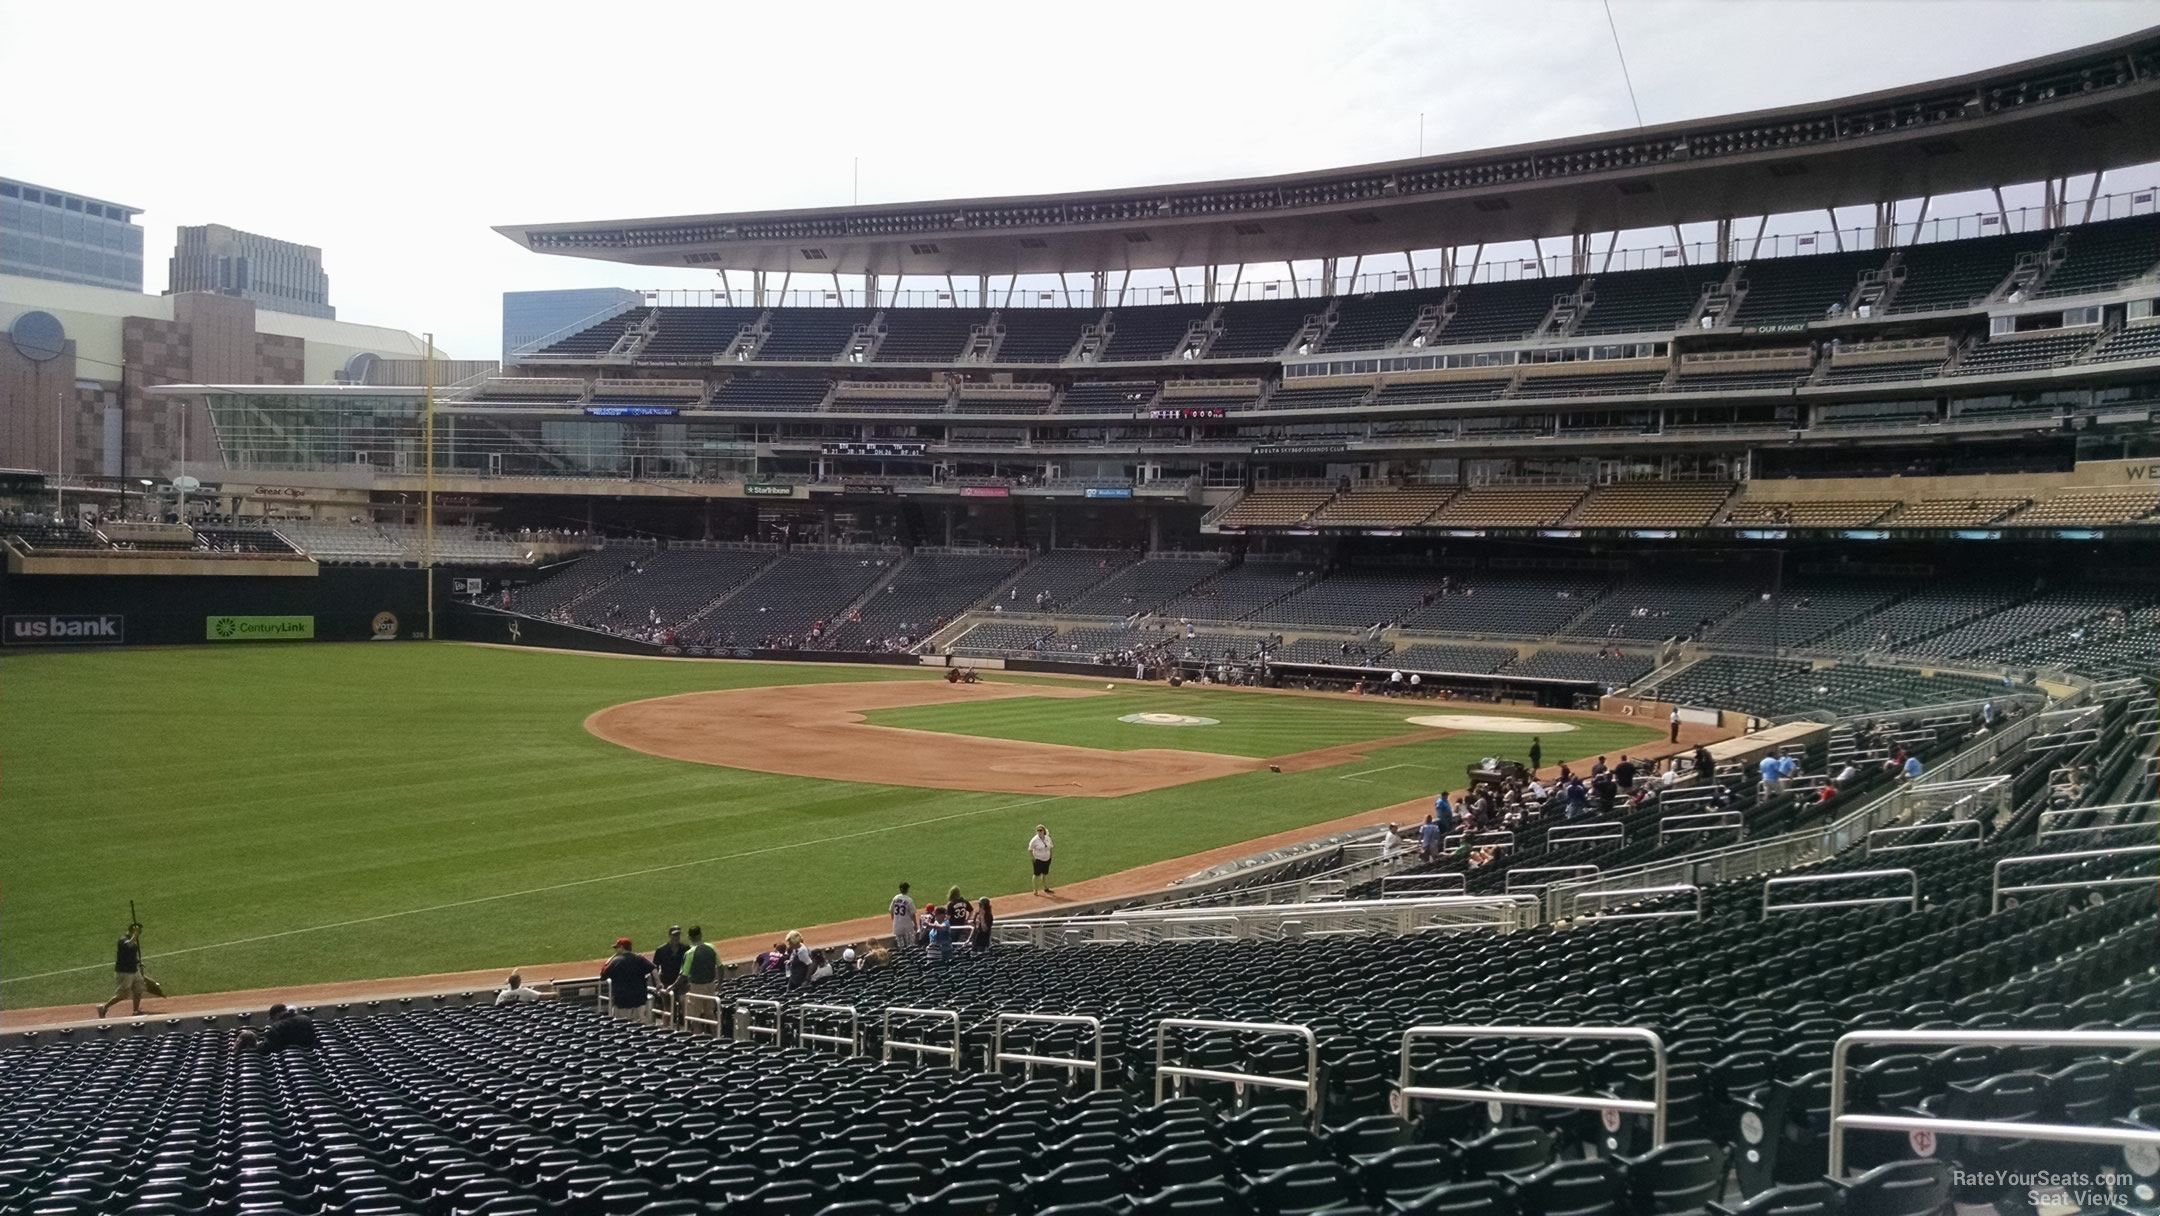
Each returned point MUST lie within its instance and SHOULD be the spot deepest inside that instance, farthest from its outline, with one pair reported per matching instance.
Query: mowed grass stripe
(241, 791)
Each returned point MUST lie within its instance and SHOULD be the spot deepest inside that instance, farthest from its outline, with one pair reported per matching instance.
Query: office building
(274, 274)
(532, 319)
(69, 238)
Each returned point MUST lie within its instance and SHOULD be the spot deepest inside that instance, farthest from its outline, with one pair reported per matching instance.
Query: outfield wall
(339, 604)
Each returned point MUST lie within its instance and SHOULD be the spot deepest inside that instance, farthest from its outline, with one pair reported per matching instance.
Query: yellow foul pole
(427, 507)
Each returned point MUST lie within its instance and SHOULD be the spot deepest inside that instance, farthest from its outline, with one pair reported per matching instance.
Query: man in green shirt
(700, 975)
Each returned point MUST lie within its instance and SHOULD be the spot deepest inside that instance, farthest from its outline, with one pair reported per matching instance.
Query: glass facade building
(274, 274)
(532, 319)
(69, 238)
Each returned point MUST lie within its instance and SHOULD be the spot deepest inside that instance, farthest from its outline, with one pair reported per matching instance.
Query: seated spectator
(290, 1028)
(821, 968)
(514, 991)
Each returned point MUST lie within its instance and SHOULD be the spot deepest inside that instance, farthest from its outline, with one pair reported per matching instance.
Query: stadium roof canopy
(2062, 115)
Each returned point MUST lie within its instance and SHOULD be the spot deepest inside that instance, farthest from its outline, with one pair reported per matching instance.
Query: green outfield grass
(304, 813)
(1248, 725)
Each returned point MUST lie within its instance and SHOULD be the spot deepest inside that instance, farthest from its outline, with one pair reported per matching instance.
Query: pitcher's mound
(1169, 720)
(1497, 725)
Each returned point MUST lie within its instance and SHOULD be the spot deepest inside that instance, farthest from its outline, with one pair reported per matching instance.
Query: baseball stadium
(1609, 730)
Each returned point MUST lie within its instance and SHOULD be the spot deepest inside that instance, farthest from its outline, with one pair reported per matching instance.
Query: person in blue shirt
(1912, 768)
(1786, 767)
(1429, 835)
(1577, 798)
(1769, 769)
(1444, 812)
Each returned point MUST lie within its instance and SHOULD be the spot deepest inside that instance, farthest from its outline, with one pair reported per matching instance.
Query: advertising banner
(258, 628)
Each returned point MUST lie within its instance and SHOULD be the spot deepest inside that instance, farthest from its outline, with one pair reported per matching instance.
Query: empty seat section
(2089, 507)
(1795, 290)
(1111, 397)
(810, 335)
(1593, 384)
(1501, 312)
(1959, 274)
(1801, 611)
(776, 394)
(2141, 341)
(927, 335)
(696, 334)
(1260, 329)
(665, 590)
(1508, 507)
(992, 638)
(2024, 354)
(1678, 504)
(2105, 255)
(1383, 506)
(1041, 335)
(1438, 657)
(1340, 396)
(1479, 387)
(598, 338)
(1873, 373)
(1953, 512)
(1608, 669)
(1241, 591)
(1723, 378)
(930, 590)
(1143, 586)
(557, 593)
(1810, 514)
(1270, 508)
(1647, 300)
(793, 595)
(1149, 331)
(1360, 596)
(1664, 606)
(1515, 604)
(1932, 608)
(1062, 575)
(1377, 320)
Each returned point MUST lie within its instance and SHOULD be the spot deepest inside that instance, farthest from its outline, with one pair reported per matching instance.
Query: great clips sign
(109, 629)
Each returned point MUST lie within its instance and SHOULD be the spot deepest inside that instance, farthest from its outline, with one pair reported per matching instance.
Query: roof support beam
(1098, 287)
(1538, 243)
(2090, 194)
(1477, 255)
(1066, 287)
(1724, 238)
(1679, 245)
(1837, 238)
(727, 293)
(2002, 213)
(1611, 240)
(1207, 283)
(1356, 264)
(1011, 282)
(1124, 281)
(1762, 224)
(1926, 201)
(1290, 270)
(1236, 277)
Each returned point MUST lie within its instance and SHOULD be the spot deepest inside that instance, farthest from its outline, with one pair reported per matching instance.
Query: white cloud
(394, 134)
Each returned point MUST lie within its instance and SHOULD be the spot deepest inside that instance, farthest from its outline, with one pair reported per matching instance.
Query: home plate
(1168, 720)
(1497, 725)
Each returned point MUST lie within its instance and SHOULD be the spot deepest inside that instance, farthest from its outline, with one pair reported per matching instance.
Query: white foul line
(1370, 771)
(558, 886)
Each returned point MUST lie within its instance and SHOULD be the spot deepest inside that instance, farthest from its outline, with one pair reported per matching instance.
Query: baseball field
(300, 813)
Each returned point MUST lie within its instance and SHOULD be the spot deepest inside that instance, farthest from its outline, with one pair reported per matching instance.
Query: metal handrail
(1580, 833)
(691, 1019)
(2049, 817)
(1165, 1070)
(891, 1044)
(1635, 893)
(1517, 871)
(1951, 836)
(1727, 821)
(1655, 1107)
(2139, 850)
(852, 1040)
(1989, 1129)
(1460, 880)
(747, 1029)
(999, 1057)
(1478, 840)
(1911, 899)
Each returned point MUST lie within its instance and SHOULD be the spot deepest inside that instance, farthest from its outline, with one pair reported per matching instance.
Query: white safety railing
(1520, 872)
(701, 1014)
(1700, 823)
(746, 1026)
(1635, 895)
(1165, 1071)
(1950, 835)
(1399, 916)
(999, 1057)
(1655, 1107)
(1400, 886)
(2148, 818)
(1911, 897)
(1478, 840)
(889, 1044)
(2122, 1134)
(2136, 850)
(852, 1040)
(1583, 833)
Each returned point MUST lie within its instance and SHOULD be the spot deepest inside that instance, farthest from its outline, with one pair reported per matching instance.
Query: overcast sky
(393, 135)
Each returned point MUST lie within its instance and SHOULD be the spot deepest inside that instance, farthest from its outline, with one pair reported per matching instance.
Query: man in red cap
(628, 976)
